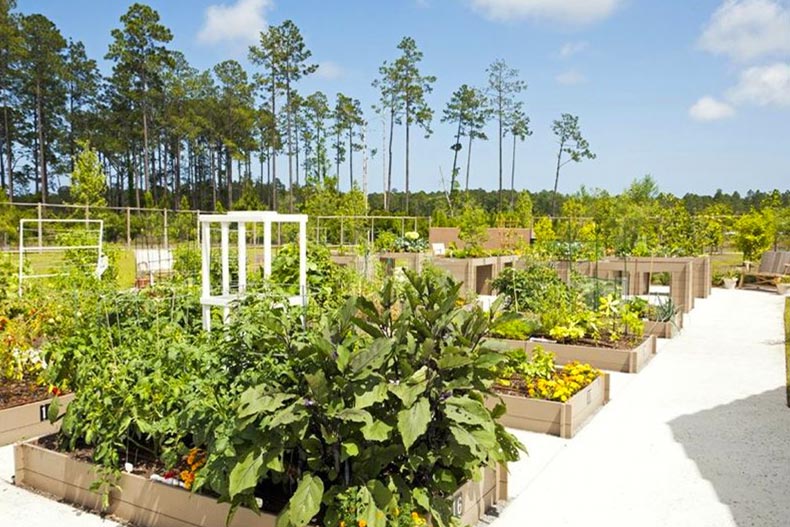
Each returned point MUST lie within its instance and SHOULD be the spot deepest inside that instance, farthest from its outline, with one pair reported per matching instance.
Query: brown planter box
(28, 420)
(626, 361)
(149, 504)
(664, 330)
(552, 417)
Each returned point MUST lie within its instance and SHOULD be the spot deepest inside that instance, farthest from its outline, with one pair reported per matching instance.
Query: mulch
(17, 393)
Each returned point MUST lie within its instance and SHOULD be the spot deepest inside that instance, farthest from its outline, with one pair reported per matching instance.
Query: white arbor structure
(242, 219)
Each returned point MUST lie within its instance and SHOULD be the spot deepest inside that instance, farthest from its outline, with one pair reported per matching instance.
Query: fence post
(166, 235)
(40, 234)
(128, 227)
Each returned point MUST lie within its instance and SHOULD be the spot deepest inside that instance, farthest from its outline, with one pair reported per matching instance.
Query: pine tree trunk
(408, 116)
(350, 158)
(556, 181)
(468, 161)
(499, 194)
(290, 145)
(146, 169)
(229, 170)
(42, 160)
(513, 176)
(388, 191)
(454, 174)
(9, 160)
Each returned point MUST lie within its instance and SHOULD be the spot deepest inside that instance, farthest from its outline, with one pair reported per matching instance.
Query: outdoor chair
(773, 266)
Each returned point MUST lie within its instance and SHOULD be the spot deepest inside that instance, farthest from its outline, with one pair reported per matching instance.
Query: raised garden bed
(149, 504)
(28, 420)
(556, 418)
(664, 330)
(623, 360)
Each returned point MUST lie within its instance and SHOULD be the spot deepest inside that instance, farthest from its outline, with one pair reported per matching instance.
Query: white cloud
(763, 86)
(710, 109)
(329, 70)
(570, 78)
(240, 22)
(572, 48)
(747, 29)
(564, 11)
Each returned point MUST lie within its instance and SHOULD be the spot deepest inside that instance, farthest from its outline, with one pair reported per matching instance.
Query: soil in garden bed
(145, 464)
(622, 344)
(17, 393)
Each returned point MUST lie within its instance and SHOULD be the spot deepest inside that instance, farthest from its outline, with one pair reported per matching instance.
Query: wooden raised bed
(664, 330)
(149, 504)
(622, 360)
(28, 420)
(552, 417)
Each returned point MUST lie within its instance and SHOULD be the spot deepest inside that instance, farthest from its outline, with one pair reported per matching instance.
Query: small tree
(754, 234)
(473, 227)
(571, 144)
(88, 182)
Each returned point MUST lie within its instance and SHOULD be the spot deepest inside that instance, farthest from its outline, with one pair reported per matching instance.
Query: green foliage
(536, 289)
(754, 234)
(379, 404)
(473, 227)
(88, 182)
(517, 329)
(325, 280)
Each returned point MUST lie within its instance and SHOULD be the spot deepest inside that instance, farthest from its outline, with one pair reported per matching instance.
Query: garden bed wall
(149, 504)
(637, 271)
(664, 330)
(556, 418)
(622, 360)
(497, 238)
(28, 420)
(476, 273)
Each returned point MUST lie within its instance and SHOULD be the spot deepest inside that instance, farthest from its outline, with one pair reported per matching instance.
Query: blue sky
(695, 93)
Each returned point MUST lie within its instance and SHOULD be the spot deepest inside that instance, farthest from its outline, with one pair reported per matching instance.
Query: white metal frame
(54, 248)
(241, 219)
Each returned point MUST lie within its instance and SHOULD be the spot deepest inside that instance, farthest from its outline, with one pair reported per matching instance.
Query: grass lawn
(724, 262)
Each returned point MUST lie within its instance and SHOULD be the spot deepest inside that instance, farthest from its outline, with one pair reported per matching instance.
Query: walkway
(699, 438)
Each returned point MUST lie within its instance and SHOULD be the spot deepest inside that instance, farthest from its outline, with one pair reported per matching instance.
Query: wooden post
(166, 233)
(128, 227)
(40, 217)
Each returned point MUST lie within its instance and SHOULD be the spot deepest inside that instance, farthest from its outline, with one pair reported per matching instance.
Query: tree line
(168, 133)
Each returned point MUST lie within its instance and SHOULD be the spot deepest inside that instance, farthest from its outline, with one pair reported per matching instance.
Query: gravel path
(699, 438)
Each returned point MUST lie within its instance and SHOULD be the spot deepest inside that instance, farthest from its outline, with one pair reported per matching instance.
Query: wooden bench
(773, 266)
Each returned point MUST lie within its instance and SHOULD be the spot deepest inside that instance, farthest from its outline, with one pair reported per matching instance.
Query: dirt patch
(17, 393)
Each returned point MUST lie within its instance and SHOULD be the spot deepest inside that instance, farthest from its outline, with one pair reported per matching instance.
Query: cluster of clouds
(569, 13)
(240, 23)
(755, 36)
(572, 12)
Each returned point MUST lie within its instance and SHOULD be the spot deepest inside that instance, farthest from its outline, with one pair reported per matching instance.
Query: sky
(695, 93)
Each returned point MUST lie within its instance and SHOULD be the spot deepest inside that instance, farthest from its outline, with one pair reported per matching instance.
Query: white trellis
(48, 239)
(241, 219)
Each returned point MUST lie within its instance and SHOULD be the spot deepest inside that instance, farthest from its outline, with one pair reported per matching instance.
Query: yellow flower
(362, 523)
(342, 523)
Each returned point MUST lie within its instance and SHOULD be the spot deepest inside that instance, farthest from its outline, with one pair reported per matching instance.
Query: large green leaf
(371, 396)
(245, 474)
(413, 422)
(304, 504)
(253, 401)
(465, 410)
(372, 357)
(376, 431)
